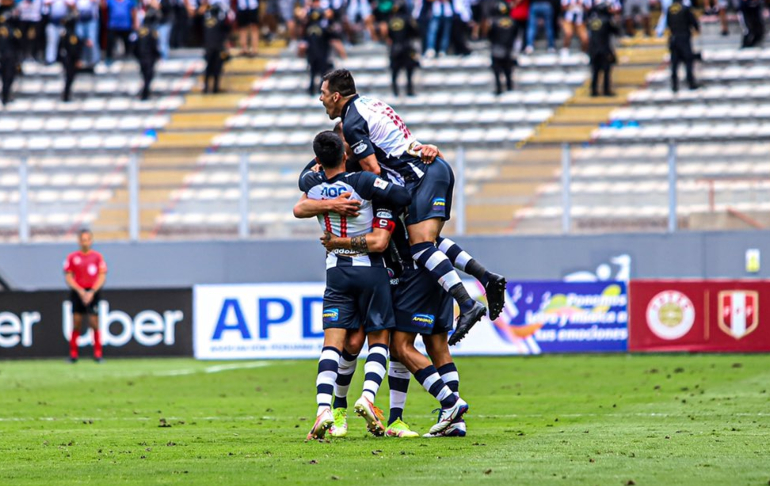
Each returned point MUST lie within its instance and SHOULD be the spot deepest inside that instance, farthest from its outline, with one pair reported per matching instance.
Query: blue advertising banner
(554, 317)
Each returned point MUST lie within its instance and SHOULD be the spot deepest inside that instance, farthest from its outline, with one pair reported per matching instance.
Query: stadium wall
(585, 258)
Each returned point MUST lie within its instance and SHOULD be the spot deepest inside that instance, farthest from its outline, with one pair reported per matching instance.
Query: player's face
(86, 240)
(330, 101)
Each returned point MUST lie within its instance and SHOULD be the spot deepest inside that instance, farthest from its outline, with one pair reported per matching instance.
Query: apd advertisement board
(700, 315)
(285, 320)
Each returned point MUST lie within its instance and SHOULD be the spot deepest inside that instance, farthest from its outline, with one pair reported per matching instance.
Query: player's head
(336, 88)
(329, 149)
(86, 239)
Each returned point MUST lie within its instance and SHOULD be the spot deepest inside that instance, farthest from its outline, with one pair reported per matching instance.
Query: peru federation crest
(738, 312)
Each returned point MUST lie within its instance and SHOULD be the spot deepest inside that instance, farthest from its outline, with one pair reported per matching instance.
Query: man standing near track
(85, 271)
(381, 142)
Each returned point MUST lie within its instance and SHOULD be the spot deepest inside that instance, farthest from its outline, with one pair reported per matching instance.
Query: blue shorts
(421, 305)
(358, 296)
(431, 194)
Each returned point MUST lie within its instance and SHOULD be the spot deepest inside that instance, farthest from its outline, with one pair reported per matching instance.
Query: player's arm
(69, 278)
(374, 242)
(342, 204)
(370, 164)
(381, 191)
(356, 132)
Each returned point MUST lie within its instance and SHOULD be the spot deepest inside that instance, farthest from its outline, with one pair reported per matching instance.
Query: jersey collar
(347, 105)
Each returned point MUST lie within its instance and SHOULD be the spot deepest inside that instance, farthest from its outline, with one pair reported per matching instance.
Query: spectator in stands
(247, 18)
(574, 16)
(461, 26)
(121, 20)
(216, 28)
(439, 28)
(632, 8)
(721, 7)
(402, 31)
(70, 50)
(147, 52)
(520, 16)
(317, 38)
(31, 25)
(501, 36)
(10, 46)
(754, 26)
(85, 272)
(360, 19)
(681, 22)
(602, 56)
(57, 10)
(283, 14)
(88, 31)
(383, 9)
(164, 25)
(181, 23)
(540, 9)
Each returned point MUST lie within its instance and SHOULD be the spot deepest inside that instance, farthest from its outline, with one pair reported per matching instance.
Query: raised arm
(342, 204)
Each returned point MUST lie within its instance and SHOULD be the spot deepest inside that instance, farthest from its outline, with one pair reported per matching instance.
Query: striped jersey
(364, 187)
(371, 127)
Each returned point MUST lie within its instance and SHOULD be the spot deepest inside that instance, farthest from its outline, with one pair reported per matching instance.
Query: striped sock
(374, 370)
(348, 364)
(431, 381)
(327, 375)
(462, 260)
(451, 377)
(398, 381)
(427, 255)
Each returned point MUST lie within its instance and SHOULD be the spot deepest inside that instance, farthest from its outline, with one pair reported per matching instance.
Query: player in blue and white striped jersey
(357, 284)
(382, 143)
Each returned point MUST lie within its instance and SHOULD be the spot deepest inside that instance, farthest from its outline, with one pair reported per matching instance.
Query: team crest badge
(738, 312)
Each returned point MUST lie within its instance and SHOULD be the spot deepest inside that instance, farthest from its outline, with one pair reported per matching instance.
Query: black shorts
(380, 16)
(421, 305)
(247, 17)
(358, 296)
(78, 307)
(432, 194)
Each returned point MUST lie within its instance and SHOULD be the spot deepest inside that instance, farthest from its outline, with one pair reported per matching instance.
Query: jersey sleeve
(377, 189)
(384, 218)
(307, 178)
(102, 264)
(356, 131)
(68, 267)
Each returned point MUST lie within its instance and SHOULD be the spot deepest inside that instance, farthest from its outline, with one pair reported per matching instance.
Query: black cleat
(495, 288)
(466, 322)
(98, 360)
(72, 360)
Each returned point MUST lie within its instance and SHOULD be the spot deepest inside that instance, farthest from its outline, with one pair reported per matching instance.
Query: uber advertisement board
(132, 323)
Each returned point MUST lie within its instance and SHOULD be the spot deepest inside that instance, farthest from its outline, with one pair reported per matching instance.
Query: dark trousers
(520, 29)
(148, 72)
(502, 67)
(112, 38)
(180, 28)
(214, 63)
(398, 64)
(70, 70)
(681, 51)
(318, 67)
(601, 64)
(7, 73)
(755, 27)
(460, 37)
(33, 39)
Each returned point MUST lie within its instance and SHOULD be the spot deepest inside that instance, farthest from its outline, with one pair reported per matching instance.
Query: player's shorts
(247, 17)
(78, 307)
(432, 194)
(358, 296)
(641, 7)
(421, 305)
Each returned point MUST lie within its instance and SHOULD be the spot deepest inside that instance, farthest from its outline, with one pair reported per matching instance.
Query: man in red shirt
(85, 271)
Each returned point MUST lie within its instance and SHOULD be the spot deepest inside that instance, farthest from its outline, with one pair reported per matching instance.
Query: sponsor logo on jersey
(439, 204)
(382, 213)
(379, 183)
(331, 315)
(670, 315)
(423, 320)
(359, 148)
(738, 312)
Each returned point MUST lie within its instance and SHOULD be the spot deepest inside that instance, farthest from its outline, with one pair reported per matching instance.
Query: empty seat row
(66, 142)
(40, 124)
(174, 67)
(706, 152)
(106, 87)
(684, 132)
(714, 93)
(63, 179)
(93, 105)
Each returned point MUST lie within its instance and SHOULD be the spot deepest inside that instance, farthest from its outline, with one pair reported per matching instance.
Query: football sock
(347, 367)
(374, 370)
(74, 344)
(327, 375)
(462, 260)
(427, 255)
(398, 381)
(431, 381)
(97, 344)
(451, 377)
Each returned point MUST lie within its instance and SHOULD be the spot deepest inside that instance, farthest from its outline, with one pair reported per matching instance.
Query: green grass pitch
(597, 420)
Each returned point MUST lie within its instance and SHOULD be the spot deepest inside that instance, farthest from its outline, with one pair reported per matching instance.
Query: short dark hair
(341, 81)
(84, 231)
(328, 149)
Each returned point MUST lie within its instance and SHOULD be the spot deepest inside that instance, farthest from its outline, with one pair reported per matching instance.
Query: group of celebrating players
(382, 199)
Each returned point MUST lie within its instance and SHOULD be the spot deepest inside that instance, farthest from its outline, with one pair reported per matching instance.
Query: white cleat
(373, 416)
(322, 423)
(448, 415)
(455, 429)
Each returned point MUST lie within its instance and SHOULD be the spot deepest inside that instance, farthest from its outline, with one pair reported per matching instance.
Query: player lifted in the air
(382, 144)
(357, 285)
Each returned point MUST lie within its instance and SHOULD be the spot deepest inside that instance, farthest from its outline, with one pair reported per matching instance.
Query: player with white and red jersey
(85, 271)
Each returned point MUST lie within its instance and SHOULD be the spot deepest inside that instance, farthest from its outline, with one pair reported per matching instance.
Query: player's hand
(345, 206)
(316, 168)
(87, 297)
(428, 152)
(329, 241)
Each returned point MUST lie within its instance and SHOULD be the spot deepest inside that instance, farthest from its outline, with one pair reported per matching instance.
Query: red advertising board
(699, 315)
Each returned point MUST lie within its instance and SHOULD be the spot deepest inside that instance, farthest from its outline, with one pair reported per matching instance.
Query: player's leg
(374, 372)
(398, 382)
(348, 362)
(77, 321)
(93, 321)
(493, 283)
(334, 340)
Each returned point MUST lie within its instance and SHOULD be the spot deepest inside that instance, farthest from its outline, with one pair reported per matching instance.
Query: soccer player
(85, 272)
(381, 142)
(357, 293)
